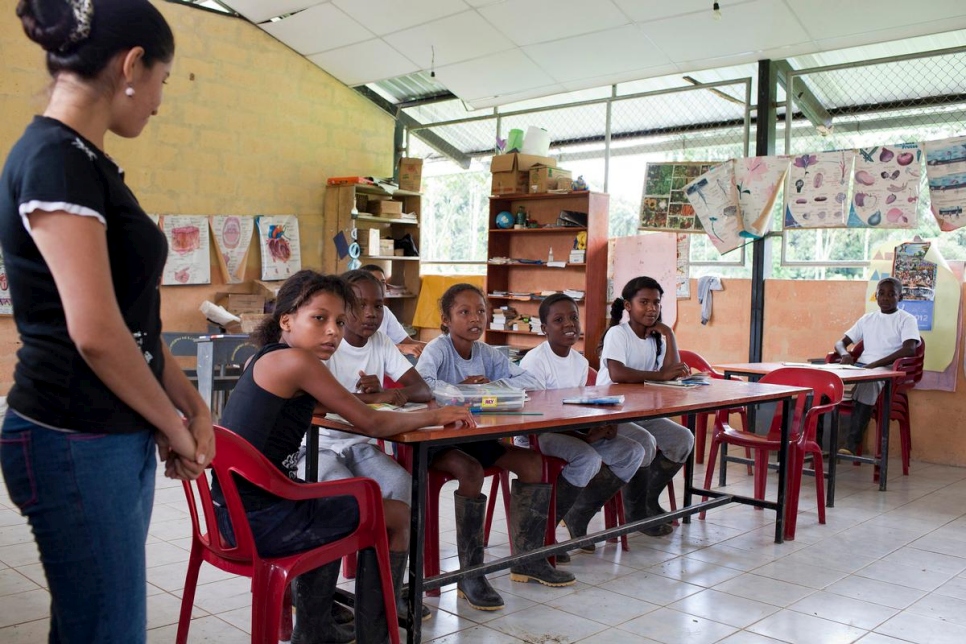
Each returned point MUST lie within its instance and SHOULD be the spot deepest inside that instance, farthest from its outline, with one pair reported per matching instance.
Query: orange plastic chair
(271, 577)
(899, 409)
(827, 392)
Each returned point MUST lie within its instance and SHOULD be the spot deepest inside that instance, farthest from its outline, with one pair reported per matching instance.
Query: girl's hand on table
(460, 416)
(675, 370)
(476, 380)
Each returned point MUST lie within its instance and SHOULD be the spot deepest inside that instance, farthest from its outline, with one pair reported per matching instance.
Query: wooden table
(849, 375)
(641, 402)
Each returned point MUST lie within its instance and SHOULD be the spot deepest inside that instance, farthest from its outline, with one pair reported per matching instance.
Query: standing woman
(94, 387)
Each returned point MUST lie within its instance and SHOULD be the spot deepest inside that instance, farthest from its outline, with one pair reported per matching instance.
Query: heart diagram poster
(188, 253)
(278, 239)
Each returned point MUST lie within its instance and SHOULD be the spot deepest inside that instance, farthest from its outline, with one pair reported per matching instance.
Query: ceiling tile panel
(646, 10)
(499, 74)
(387, 16)
(261, 10)
(527, 22)
(455, 38)
(319, 28)
(619, 77)
(364, 62)
(597, 54)
(826, 19)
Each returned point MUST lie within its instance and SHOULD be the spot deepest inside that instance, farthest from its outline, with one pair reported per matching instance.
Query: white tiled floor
(887, 567)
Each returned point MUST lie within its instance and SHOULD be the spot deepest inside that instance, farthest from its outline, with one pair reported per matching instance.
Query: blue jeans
(88, 499)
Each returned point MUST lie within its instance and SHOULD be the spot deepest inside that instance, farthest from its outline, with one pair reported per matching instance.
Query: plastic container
(514, 141)
(537, 141)
(493, 396)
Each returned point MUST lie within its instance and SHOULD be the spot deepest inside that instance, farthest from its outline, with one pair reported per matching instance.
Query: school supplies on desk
(673, 383)
(594, 400)
(696, 379)
(491, 396)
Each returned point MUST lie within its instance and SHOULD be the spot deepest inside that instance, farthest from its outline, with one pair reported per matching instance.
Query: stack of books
(502, 317)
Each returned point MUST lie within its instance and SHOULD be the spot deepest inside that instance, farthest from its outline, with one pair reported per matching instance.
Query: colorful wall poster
(714, 197)
(758, 180)
(886, 187)
(918, 277)
(682, 277)
(278, 238)
(188, 255)
(816, 191)
(664, 205)
(6, 304)
(946, 172)
(233, 235)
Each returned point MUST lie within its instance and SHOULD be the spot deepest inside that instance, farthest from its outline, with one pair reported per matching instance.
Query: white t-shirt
(378, 357)
(555, 372)
(883, 333)
(623, 345)
(391, 327)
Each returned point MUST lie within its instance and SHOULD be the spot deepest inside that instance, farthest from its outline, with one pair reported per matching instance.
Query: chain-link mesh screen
(874, 103)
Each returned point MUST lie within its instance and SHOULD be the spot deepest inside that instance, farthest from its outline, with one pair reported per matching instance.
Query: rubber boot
(861, 413)
(342, 614)
(567, 493)
(635, 502)
(370, 623)
(313, 598)
(476, 590)
(397, 565)
(660, 472)
(603, 486)
(529, 506)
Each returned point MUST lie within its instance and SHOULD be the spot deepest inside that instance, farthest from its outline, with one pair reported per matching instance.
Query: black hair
(550, 301)
(361, 275)
(617, 306)
(896, 284)
(449, 298)
(294, 293)
(373, 267)
(114, 26)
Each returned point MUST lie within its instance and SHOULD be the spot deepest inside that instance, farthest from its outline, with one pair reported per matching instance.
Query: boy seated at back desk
(887, 335)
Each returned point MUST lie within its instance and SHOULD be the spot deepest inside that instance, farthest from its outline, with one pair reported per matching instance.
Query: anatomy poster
(6, 304)
(816, 192)
(946, 172)
(758, 180)
(232, 234)
(714, 197)
(188, 254)
(682, 279)
(278, 238)
(886, 193)
(664, 205)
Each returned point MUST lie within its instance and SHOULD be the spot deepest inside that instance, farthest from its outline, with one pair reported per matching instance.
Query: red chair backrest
(697, 363)
(591, 376)
(827, 390)
(856, 351)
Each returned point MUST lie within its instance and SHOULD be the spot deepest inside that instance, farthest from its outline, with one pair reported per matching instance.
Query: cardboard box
(511, 172)
(250, 321)
(384, 207)
(368, 238)
(238, 303)
(545, 178)
(410, 174)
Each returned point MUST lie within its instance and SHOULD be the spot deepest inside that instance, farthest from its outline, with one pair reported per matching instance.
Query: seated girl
(458, 357)
(272, 407)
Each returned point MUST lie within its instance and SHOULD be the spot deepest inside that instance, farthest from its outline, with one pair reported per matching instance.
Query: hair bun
(55, 25)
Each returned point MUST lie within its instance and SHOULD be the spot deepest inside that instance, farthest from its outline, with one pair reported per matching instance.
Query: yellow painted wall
(247, 127)
(804, 319)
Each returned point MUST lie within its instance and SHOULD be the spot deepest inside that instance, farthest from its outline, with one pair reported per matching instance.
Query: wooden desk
(849, 375)
(641, 402)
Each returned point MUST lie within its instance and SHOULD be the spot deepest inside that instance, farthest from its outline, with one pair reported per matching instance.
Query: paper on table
(594, 400)
(410, 406)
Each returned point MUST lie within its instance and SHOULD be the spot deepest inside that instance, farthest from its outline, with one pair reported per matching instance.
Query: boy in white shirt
(887, 335)
(390, 325)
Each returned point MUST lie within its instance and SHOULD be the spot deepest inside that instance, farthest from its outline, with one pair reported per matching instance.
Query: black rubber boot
(659, 474)
(476, 590)
(313, 598)
(567, 493)
(603, 486)
(342, 614)
(861, 413)
(529, 506)
(371, 624)
(397, 565)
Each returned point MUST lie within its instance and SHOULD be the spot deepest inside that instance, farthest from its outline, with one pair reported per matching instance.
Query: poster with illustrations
(918, 277)
(886, 187)
(188, 255)
(758, 180)
(682, 278)
(233, 235)
(278, 238)
(816, 191)
(714, 197)
(664, 205)
(946, 173)
(6, 304)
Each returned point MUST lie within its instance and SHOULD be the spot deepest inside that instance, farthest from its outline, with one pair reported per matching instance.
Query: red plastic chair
(899, 409)
(827, 391)
(697, 363)
(271, 577)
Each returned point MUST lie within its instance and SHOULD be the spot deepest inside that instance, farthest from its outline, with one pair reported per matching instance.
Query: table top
(640, 401)
(847, 373)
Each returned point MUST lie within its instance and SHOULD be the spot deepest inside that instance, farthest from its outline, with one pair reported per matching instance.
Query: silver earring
(129, 91)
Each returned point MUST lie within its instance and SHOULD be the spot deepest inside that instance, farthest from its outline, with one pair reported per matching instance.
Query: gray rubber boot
(529, 507)
(397, 565)
(603, 486)
(567, 493)
(371, 624)
(476, 590)
(660, 472)
(313, 598)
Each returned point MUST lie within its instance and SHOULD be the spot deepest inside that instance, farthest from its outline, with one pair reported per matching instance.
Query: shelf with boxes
(534, 262)
(386, 229)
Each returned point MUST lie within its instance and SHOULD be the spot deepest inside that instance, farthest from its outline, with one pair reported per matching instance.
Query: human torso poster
(188, 254)
(278, 238)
